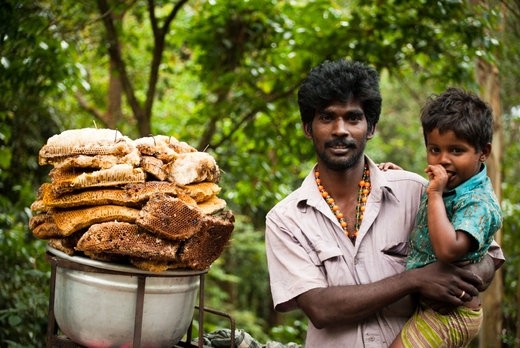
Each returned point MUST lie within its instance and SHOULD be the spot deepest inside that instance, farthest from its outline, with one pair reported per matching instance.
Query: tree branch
(174, 12)
(159, 36)
(511, 9)
(245, 118)
(269, 99)
(153, 19)
(115, 54)
(90, 109)
(212, 127)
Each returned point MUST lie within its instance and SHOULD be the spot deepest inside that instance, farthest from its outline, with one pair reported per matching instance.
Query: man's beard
(341, 163)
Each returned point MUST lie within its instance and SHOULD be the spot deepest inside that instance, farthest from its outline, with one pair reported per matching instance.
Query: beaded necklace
(364, 191)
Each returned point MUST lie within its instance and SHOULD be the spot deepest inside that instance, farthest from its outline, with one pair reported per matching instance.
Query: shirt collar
(309, 192)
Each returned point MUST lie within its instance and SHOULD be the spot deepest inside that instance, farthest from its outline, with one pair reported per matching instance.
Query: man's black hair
(341, 80)
(462, 112)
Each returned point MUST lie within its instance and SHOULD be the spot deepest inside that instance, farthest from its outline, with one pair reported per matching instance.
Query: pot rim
(118, 267)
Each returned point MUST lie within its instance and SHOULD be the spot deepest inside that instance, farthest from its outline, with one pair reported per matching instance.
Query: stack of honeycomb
(150, 201)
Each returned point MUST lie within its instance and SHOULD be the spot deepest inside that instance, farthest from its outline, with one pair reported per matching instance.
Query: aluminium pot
(98, 309)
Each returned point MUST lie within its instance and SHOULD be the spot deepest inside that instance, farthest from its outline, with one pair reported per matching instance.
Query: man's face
(339, 133)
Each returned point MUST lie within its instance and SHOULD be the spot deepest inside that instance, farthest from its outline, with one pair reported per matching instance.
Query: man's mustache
(341, 142)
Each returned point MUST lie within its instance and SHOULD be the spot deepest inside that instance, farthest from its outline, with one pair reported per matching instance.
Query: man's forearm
(336, 306)
(340, 305)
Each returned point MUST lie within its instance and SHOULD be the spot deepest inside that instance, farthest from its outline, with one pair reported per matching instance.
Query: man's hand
(447, 284)
(483, 271)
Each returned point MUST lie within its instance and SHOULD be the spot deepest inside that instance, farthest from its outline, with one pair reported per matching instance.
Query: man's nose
(340, 127)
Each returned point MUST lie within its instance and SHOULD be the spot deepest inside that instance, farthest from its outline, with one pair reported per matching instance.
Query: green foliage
(24, 287)
(293, 331)
(399, 138)
(241, 275)
(510, 229)
(511, 247)
(35, 67)
(227, 85)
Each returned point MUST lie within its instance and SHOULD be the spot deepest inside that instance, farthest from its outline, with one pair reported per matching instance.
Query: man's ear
(485, 152)
(307, 130)
(371, 132)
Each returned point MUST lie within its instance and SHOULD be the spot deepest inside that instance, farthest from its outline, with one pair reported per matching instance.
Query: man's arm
(485, 269)
(335, 306)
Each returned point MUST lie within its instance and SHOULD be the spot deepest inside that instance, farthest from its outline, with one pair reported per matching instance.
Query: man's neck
(342, 183)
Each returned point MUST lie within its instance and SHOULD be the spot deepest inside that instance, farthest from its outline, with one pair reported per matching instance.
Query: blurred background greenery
(222, 76)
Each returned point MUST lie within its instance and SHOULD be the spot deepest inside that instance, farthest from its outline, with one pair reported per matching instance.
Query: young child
(459, 212)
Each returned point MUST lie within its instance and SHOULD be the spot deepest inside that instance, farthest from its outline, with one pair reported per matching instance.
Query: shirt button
(371, 338)
(355, 261)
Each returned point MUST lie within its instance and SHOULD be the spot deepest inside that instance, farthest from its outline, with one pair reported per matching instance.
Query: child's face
(457, 156)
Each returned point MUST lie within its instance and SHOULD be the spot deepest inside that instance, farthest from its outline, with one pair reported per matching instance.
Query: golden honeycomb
(86, 141)
(170, 217)
(70, 179)
(66, 244)
(201, 250)
(126, 239)
(151, 202)
(101, 196)
(153, 166)
(202, 191)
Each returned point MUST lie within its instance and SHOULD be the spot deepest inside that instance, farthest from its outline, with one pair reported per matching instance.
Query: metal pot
(98, 309)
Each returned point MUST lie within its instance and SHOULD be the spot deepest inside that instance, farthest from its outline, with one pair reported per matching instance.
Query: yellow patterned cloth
(428, 328)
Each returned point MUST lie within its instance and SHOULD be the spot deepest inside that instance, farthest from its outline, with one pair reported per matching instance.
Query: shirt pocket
(322, 251)
(395, 255)
(329, 258)
(326, 251)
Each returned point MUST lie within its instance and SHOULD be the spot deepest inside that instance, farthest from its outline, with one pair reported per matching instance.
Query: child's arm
(449, 245)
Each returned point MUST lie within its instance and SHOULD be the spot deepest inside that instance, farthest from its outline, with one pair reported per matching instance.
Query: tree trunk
(114, 114)
(115, 96)
(487, 78)
(114, 51)
(517, 345)
(143, 115)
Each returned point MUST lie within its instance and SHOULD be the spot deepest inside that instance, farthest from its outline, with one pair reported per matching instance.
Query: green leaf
(14, 320)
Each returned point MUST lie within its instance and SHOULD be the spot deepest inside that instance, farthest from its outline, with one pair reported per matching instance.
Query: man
(337, 246)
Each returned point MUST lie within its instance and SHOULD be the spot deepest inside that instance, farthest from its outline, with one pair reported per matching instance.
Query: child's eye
(434, 150)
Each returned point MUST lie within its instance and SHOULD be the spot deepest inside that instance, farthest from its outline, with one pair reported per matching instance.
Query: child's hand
(438, 178)
(388, 165)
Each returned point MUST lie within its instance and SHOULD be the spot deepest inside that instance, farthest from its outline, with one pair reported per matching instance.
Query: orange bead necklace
(364, 191)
